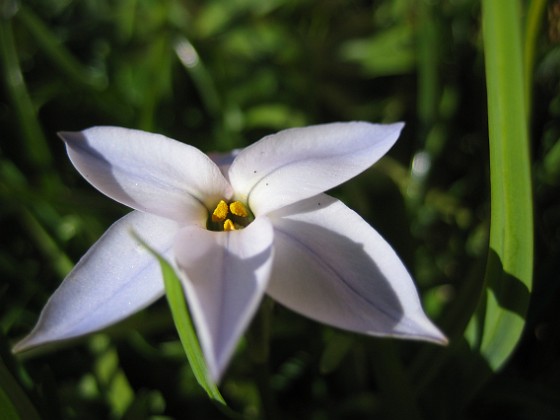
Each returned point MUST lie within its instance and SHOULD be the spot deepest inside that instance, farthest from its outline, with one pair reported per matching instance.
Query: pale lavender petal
(331, 266)
(299, 163)
(224, 160)
(114, 279)
(225, 275)
(148, 172)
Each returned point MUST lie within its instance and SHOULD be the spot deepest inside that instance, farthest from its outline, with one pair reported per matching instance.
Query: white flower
(257, 223)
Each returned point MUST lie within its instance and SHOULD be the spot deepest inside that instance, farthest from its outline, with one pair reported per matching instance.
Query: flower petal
(225, 276)
(148, 172)
(331, 266)
(114, 279)
(299, 163)
(224, 160)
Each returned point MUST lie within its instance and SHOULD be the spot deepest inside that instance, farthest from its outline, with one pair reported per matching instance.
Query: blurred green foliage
(221, 74)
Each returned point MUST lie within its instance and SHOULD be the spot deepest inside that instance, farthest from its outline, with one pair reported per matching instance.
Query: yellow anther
(238, 209)
(228, 225)
(221, 212)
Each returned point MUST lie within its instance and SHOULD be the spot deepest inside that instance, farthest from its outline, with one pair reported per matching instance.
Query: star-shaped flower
(236, 227)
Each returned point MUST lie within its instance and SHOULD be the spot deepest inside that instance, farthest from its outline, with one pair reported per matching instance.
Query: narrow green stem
(46, 243)
(510, 259)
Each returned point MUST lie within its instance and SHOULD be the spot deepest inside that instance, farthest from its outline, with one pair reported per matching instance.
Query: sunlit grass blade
(189, 57)
(510, 261)
(110, 377)
(184, 325)
(224, 117)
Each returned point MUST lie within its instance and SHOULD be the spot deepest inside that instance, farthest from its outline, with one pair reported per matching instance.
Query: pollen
(228, 216)
(221, 212)
(228, 225)
(238, 209)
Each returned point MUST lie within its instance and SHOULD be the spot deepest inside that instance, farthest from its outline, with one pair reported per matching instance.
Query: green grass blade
(14, 403)
(510, 260)
(34, 147)
(49, 44)
(535, 13)
(183, 323)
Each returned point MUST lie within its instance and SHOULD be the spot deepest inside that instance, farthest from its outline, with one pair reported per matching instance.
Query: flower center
(232, 216)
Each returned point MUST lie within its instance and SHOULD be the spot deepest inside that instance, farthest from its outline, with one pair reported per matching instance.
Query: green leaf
(183, 323)
(510, 261)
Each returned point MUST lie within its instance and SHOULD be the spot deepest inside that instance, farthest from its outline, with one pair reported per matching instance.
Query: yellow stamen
(228, 225)
(237, 208)
(220, 214)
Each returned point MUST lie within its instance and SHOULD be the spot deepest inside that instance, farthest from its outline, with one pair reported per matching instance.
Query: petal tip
(215, 372)
(438, 338)
(216, 364)
(429, 332)
(399, 126)
(26, 343)
(19, 347)
(66, 136)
